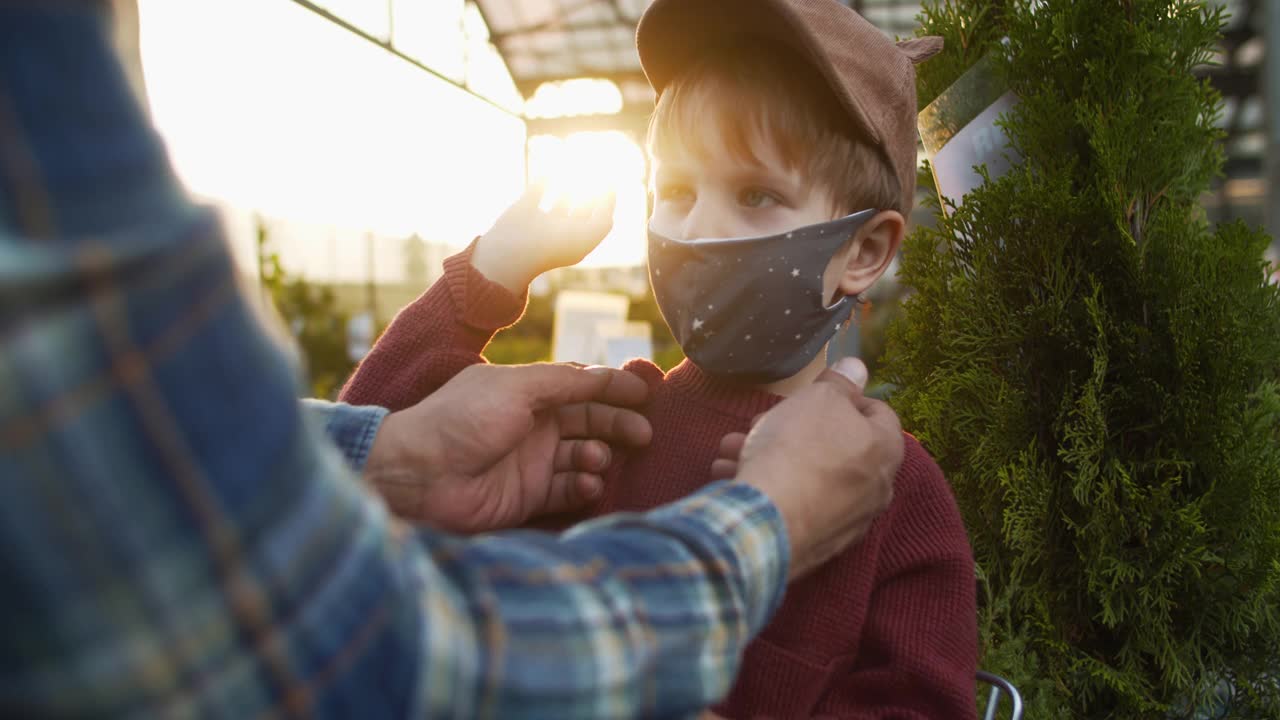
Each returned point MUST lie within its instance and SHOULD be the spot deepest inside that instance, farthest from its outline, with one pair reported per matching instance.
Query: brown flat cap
(872, 76)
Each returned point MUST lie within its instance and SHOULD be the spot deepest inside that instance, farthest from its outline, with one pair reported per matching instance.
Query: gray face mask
(751, 309)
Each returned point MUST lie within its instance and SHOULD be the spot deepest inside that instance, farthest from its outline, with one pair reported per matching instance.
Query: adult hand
(528, 240)
(497, 446)
(827, 457)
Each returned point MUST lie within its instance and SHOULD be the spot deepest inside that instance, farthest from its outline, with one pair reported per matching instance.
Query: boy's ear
(871, 251)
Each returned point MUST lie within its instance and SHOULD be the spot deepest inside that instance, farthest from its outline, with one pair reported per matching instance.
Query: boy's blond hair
(755, 91)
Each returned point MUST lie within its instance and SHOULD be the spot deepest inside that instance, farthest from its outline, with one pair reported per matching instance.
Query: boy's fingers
(580, 210)
(601, 222)
(534, 192)
(602, 212)
(563, 204)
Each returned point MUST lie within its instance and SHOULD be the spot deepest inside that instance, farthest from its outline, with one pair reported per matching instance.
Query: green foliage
(528, 340)
(874, 321)
(311, 314)
(1098, 370)
(512, 349)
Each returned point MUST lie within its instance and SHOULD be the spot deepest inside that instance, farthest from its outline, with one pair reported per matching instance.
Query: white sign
(359, 336)
(579, 317)
(981, 142)
(623, 342)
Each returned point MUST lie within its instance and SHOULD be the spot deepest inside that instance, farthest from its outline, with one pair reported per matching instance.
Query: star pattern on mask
(763, 338)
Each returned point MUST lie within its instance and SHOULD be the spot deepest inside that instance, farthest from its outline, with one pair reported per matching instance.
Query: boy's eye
(757, 198)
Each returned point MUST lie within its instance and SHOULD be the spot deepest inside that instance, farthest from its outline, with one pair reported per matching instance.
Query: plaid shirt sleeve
(350, 427)
(175, 538)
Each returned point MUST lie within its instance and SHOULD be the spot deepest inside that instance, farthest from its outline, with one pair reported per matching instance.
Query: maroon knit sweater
(886, 630)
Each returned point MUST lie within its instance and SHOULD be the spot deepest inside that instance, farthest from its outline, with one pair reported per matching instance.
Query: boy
(784, 157)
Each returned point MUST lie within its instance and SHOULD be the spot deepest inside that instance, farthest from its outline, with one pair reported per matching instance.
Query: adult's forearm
(629, 616)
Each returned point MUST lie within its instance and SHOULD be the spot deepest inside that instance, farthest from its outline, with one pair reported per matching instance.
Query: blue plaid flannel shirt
(177, 539)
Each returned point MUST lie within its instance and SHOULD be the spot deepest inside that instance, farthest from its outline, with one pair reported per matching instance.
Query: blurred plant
(312, 316)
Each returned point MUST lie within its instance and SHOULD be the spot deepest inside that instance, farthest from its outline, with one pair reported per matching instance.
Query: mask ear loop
(834, 302)
(841, 301)
(860, 299)
(847, 342)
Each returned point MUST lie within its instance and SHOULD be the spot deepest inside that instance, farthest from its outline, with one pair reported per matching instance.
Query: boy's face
(711, 193)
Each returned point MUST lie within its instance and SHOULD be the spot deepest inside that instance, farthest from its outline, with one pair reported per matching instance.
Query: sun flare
(586, 168)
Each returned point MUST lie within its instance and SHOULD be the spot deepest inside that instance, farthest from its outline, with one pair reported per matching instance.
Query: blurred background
(352, 145)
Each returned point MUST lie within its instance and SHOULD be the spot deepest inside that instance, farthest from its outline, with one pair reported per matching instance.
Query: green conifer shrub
(1097, 369)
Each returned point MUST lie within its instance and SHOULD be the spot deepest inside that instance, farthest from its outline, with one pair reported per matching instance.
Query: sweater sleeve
(437, 336)
(919, 651)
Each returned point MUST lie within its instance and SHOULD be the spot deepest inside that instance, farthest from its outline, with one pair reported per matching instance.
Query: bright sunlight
(585, 168)
(267, 108)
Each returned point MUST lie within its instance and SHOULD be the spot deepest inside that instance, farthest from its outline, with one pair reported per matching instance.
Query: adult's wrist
(401, 455)
(793, 521)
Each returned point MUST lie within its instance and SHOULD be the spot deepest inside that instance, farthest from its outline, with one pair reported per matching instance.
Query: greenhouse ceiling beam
(527, 85)
(389, 47)
(633, 121)
(544, 29)
(558, 21)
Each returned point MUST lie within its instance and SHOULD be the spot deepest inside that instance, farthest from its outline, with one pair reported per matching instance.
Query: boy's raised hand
(540, 232)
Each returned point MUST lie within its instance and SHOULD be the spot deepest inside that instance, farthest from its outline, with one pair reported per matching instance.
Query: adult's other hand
(827, 457)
